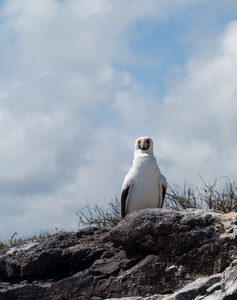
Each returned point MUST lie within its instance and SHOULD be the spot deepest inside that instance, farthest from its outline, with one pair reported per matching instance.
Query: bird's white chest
(143, 178)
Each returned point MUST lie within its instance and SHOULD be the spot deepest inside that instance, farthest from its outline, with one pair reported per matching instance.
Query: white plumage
(144, 186)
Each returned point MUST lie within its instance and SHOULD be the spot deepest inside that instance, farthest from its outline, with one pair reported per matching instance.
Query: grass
(14, 241)
(100, 217)
(218, 196)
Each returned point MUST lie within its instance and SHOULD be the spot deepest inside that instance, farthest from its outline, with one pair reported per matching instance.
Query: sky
(81, 80)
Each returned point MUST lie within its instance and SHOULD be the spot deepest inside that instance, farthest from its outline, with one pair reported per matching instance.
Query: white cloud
(202, 110)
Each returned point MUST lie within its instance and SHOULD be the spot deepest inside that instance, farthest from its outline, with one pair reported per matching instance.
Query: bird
(144, 186)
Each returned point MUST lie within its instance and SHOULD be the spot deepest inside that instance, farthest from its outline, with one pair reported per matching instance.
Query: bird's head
(144, 145)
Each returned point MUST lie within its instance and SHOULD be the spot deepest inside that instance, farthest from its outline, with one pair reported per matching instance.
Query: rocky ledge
(151, 254)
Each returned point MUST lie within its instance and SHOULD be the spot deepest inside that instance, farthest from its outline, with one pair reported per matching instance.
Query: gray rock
(151, 254)
(196, 288)
(231, 282)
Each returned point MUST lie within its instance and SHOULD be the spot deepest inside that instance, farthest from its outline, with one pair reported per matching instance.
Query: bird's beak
(144, 144)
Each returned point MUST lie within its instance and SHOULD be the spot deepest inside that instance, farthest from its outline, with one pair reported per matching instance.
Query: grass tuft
(100, 217)
(221, 198)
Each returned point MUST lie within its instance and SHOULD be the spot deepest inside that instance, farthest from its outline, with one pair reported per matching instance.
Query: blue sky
(81, 80)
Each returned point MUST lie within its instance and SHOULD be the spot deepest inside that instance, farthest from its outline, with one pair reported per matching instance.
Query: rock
(231, 282)
(151, 254)
(184, 237)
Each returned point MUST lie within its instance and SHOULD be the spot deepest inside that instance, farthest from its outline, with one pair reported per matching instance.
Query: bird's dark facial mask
(144, 144)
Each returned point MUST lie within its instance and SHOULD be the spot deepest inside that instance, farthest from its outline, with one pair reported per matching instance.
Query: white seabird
(144, 186)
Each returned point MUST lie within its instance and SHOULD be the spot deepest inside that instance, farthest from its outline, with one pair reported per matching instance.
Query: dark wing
(163, 187)
(163, 194)
(124, 196)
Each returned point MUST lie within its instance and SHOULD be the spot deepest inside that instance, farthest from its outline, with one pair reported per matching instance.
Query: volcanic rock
(151, 254)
